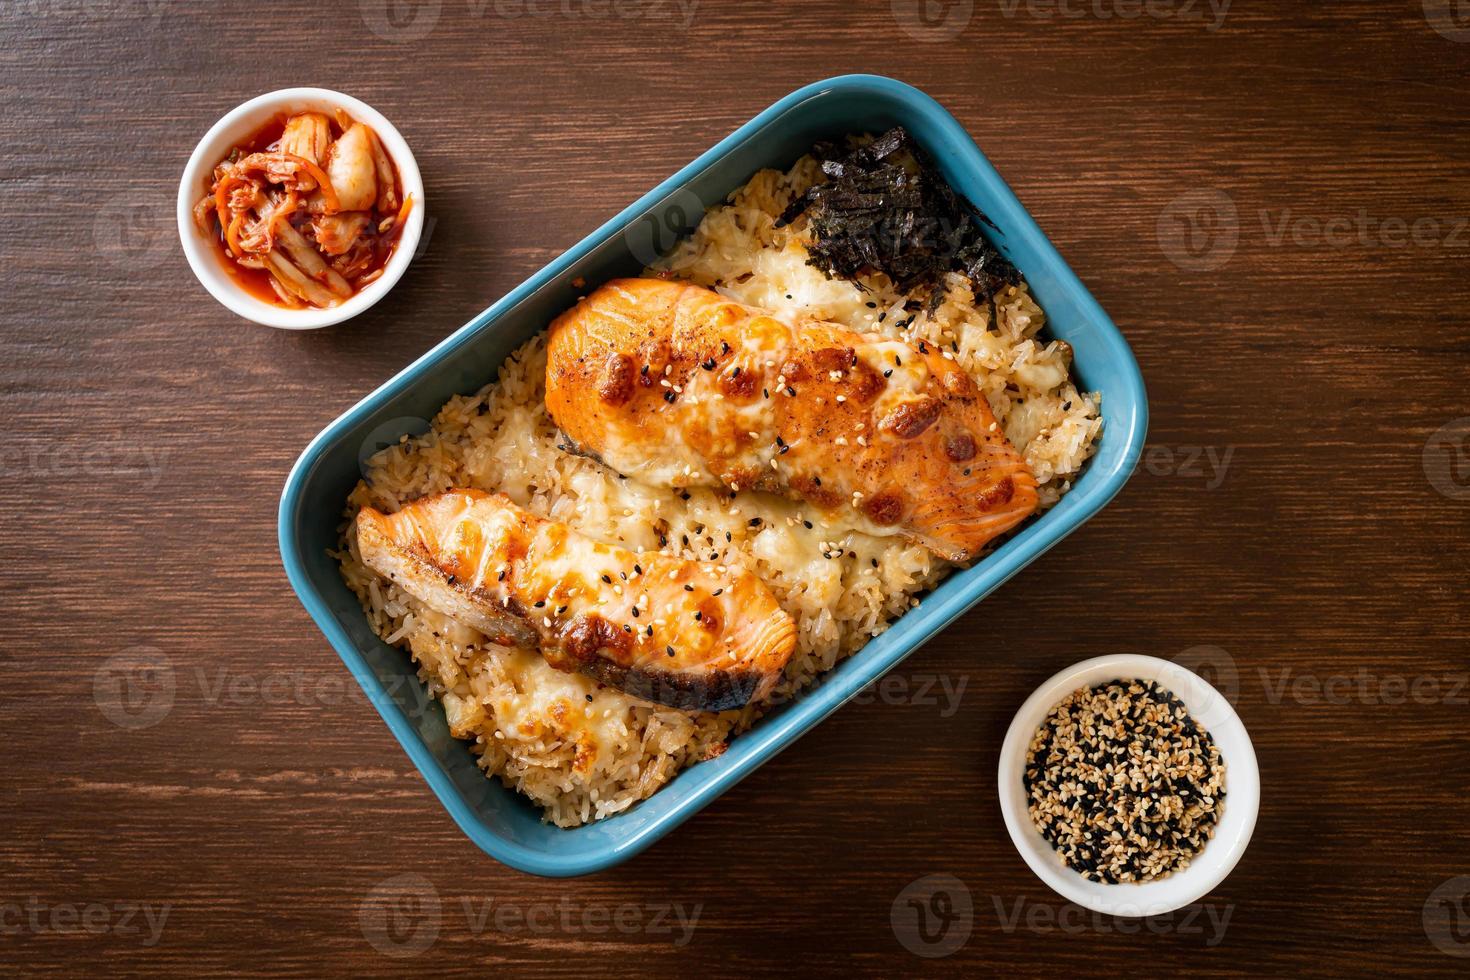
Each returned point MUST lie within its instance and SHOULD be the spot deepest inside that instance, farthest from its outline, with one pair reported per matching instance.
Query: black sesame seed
(1072, 781)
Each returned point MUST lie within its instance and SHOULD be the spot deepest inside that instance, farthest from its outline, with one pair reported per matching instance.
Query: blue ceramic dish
(505, 825)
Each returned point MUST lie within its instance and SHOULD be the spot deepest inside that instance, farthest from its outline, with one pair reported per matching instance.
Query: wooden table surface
(1271, 200)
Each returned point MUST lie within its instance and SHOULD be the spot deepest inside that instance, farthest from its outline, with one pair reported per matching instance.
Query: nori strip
(878, 212)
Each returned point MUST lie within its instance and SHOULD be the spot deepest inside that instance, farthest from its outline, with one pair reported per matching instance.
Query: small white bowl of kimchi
(301, 208)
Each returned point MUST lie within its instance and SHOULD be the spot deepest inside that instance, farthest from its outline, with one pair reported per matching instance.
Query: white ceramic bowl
(238, 125)
(1212, 712)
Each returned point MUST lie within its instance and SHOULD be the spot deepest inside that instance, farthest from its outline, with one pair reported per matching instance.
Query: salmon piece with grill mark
(676, 386)
(661, 628)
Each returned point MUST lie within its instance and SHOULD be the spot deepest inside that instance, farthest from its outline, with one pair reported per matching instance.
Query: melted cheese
(568, 707)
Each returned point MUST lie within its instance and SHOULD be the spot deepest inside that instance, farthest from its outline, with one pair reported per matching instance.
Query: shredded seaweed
(886, 208)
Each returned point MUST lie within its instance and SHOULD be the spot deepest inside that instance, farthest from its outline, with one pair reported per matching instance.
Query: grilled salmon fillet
(677, 386)
(671, 631)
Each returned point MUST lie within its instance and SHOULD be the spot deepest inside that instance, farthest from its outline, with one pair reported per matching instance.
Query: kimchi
(307, 212)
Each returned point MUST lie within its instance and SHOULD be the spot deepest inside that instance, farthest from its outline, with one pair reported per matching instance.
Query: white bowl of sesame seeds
(1239, 803)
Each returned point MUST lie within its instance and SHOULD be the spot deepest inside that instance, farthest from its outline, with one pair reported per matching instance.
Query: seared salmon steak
(674, 385)
(687, 634)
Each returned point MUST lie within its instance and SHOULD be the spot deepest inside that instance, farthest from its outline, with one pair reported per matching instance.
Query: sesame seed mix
(1123, 783)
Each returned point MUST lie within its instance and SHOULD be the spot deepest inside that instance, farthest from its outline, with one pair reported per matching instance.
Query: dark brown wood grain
(1288, 513)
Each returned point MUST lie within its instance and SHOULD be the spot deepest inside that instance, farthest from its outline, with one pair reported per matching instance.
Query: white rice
(583, 752)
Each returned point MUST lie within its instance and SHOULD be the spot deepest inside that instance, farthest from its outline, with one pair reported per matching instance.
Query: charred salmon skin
(661, 628)
(676, 386)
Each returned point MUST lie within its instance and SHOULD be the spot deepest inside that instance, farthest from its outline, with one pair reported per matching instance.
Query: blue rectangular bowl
(505, 825)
